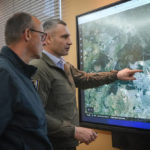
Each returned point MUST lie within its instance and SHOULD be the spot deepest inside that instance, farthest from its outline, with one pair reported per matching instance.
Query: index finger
(136, 70)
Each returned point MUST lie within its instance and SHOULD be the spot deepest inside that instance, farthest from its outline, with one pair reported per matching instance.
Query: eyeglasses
(43, 34)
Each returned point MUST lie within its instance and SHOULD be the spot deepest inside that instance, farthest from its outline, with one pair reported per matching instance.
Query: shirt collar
(54, 58)
(27, 70)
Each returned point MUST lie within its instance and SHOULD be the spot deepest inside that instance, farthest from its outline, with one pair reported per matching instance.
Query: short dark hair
(16, 25)
(52, 23)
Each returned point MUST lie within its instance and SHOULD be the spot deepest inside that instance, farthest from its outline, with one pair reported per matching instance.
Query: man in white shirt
(57, 88)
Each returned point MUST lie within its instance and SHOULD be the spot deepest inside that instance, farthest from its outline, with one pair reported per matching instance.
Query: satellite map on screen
(115, 42)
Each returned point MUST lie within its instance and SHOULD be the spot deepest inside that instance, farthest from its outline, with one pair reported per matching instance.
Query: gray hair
(49, 24)
(16, 25)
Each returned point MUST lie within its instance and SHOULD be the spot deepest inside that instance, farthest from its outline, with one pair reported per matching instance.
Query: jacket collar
(26, 69)
(50, 63)
(55, 59)
(48, 60)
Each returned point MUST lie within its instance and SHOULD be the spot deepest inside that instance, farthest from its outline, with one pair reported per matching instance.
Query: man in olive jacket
(22, 118)
(57, 81)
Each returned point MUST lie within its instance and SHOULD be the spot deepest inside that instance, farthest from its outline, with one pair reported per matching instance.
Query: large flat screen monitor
(112, 38)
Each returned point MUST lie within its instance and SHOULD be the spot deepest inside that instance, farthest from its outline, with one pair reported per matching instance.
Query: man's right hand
(85, 135)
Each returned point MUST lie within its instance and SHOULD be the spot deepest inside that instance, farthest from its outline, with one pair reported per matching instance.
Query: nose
(69, 42)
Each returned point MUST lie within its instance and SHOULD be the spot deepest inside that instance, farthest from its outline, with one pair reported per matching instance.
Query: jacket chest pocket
(62, 92)
(62, 87)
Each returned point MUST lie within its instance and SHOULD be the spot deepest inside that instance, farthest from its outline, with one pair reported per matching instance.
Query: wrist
(115, 72)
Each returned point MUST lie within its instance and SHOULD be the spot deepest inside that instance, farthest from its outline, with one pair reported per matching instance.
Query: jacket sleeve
(6, 100)
(56, 127)
(90, 80)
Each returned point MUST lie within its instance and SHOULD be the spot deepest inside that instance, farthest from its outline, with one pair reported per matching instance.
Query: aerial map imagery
(115, 42)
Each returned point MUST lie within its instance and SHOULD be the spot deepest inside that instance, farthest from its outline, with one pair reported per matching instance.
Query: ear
(27, 34)
(48, 38)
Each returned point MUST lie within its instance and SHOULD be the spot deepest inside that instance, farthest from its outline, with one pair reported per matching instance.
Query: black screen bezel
(100, 126)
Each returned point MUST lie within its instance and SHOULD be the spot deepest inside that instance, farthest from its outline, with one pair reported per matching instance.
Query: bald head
(24, 35)
(52, 23)
(16, 25)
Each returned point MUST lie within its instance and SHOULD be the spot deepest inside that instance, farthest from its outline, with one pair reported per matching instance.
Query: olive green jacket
(57, 90)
